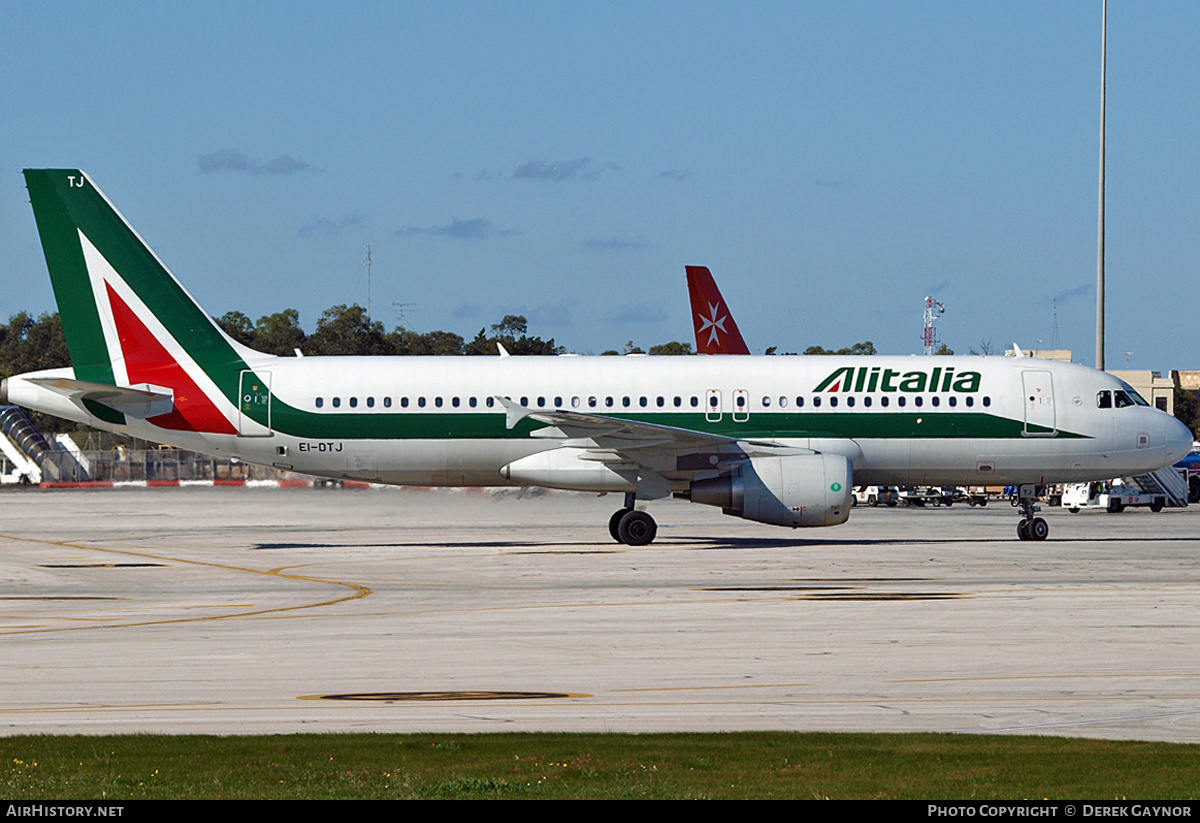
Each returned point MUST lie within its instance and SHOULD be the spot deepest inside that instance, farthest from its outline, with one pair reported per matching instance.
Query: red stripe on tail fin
(147, 361)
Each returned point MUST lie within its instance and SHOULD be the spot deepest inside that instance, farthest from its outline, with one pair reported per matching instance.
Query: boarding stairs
(1168, 483)
(31, 458)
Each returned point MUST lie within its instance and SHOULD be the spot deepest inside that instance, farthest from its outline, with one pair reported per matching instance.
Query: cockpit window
(1119, 399)
(1132, 396)
(1122, 400)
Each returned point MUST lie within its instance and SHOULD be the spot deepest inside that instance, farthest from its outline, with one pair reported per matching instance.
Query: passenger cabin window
(320, 402)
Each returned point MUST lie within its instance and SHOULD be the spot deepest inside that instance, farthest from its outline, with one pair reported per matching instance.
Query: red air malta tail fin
(716, 333)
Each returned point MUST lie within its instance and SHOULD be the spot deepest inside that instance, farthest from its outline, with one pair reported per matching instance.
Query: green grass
(554, 766)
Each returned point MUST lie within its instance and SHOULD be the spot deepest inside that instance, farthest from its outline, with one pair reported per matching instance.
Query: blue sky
(832, 163)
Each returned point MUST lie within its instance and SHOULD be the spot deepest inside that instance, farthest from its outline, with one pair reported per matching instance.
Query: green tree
(406, 341)
(345, 329)
(672, 348)
(505, 333)
(864, 348)
(279, 333)
(238, 326)
(30, 345)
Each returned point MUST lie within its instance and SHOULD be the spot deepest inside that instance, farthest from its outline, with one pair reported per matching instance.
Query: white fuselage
(437, 420)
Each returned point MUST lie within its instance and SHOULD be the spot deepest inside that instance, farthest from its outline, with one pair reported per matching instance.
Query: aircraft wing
(614, 434)
(143, 402)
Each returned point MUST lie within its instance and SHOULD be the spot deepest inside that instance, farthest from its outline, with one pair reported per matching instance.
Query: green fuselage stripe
(762, 425)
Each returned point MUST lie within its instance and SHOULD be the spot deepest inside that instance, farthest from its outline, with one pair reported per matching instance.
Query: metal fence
(152, 465)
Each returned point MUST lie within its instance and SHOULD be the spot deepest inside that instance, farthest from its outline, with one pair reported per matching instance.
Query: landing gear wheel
(1038, 529)
(1035, 529)
(614, 524)
(636, 528)
(1030, 527)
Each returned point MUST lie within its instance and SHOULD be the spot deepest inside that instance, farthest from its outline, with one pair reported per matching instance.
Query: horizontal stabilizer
(146, 401)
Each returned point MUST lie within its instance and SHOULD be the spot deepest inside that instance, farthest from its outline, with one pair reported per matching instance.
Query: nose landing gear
(1030, 527)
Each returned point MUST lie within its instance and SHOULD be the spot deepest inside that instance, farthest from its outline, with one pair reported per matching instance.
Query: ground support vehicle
(875, 496)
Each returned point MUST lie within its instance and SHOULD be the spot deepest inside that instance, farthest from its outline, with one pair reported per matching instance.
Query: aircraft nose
(1179, 439)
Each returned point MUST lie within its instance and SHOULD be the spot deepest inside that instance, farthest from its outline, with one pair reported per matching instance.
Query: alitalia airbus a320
(777, 440)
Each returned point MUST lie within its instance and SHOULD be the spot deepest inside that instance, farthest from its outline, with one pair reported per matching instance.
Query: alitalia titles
(877, 378)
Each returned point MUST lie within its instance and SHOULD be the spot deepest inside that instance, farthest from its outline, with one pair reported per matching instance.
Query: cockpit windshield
(1132, 396)
(1119, 399)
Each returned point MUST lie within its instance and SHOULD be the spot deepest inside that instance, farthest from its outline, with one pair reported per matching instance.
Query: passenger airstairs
(1168, 483)
(31, 458)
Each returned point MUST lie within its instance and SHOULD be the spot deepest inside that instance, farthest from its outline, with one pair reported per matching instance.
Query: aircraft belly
(409, 462)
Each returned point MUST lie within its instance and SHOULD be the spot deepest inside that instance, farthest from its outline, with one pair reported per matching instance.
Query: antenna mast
(368, 281)
(933, 311)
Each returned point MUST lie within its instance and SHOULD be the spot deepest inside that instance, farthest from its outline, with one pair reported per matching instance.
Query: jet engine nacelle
(797, 490)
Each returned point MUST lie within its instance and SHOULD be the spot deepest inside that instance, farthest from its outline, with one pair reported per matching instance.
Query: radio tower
(933, 310)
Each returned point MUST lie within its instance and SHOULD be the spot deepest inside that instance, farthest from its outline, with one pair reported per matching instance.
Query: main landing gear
(1030, 527)
(630, 526)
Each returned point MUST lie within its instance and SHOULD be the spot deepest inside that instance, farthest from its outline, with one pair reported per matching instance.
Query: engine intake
(797, 490)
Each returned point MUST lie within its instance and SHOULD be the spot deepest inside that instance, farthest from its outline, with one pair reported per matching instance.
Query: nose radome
(1179, 439)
